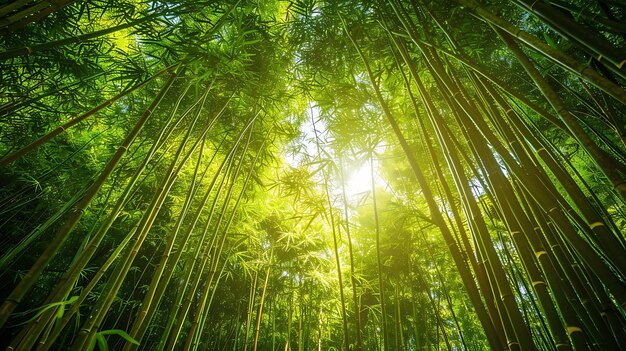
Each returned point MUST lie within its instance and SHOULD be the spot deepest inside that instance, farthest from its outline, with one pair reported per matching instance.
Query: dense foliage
(299, 175)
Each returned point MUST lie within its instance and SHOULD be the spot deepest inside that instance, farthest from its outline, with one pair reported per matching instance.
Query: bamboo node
(515, 232)
(582, 71)
(563, 344)
(508, 111)
(538, 282)
(573, 329)
(600, 57)
(596, 224)
(512, 342)
(540, 253)
(540, 149)
(553, 209)
(532, 6)
(559, 111)
(537, 228)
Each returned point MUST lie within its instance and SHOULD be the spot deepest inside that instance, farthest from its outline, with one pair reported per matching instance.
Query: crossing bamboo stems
(331, 220)
(29, 50)
(194, 331)
(609, 24)
(71, 275)
(463, 109)
(31, 14)
(29, 279)
(505, 294)
(433, 208)
(207, 260)
(602, 233)
(87, 332)
(595, 44)
(551, 53)
(172, 239)
(547, 204)
(74, 121)
(604, 161)
(431, 111)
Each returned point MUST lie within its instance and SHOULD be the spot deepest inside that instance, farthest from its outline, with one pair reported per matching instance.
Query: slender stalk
(30, 278)
(551, 53)
(74, 121)
(262, 302)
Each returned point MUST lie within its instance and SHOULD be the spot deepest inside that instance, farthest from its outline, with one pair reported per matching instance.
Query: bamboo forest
(329, 175)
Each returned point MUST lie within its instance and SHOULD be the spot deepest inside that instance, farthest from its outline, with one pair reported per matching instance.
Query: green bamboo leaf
(120, 333)
(549, 40)
(44, 308)
(102, 342)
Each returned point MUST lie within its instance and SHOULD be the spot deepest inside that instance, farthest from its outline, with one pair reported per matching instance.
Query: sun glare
(359, 180)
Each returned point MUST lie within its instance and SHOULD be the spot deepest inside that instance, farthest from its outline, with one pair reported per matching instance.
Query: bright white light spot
(359, 181)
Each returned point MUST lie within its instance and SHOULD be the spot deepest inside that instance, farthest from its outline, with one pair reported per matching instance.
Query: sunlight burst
(359, 181)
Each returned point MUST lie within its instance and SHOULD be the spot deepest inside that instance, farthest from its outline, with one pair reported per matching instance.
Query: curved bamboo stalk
(206, 261)
(65, 284)
(96, 316)
(29, 50)
(603, 50)
(32, 14)
(191, 341)
(29, 279)
(434, 211)
(605, 162)
(42, 140)
(551, 53)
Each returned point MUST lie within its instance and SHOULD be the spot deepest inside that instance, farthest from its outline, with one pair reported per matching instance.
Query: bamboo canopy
(308, 174)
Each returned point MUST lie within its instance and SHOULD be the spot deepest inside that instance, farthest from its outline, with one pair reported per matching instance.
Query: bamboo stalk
(29, 50)
(74, 121)
(433, 208)
(598, 45)
(553, 54)
(605, 162)
(30, 278)
(64, 285)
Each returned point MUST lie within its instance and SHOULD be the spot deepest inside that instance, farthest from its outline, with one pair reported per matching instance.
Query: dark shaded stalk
(31, 14)
(29, 50)
(35, 144)
(576, 32)
(605, 162)
(30, 278)
(549, 52)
